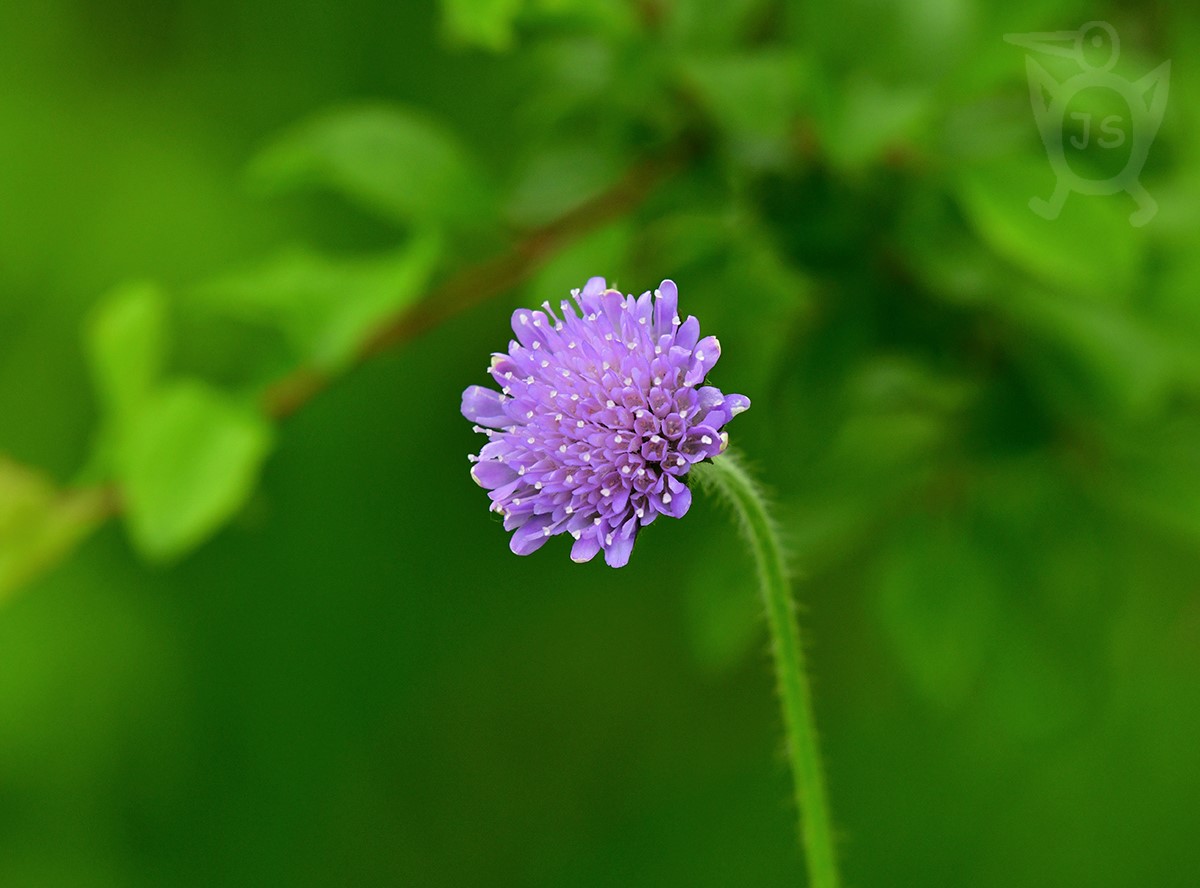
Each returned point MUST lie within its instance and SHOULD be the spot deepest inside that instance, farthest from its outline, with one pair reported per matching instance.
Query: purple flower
(600, 416)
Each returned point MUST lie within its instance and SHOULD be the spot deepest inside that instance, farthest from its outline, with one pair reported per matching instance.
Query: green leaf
(187, 463)
(1084, 351)
(871, 117)
(488, 24)
(326, 307)
(723, 616)
(753, 94)
(1090, 247)
(491, 24)
(561, 179)
(604, 252)
(388, 159)
(938, 603)
(126, 340)
(713, 24)
(38, 523)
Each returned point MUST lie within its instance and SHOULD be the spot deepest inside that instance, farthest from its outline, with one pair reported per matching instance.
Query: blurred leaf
(715, 24)
(1090, 247)
(1159, 478)
(1084, 351)
(894, 426)
(484, 23)
(872, 117)
(187, 463)
(754, 97)
(604, 252)
(559, 179)
(387, 158)
(326, 307)
(938, 603)
(126, 340)
(722, 607)
(491, 24)
(40, 524)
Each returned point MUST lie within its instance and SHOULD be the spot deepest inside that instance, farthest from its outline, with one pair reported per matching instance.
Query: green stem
(728, 477)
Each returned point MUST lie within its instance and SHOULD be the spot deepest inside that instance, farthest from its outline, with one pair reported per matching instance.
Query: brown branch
(459, 292)
(477, 284)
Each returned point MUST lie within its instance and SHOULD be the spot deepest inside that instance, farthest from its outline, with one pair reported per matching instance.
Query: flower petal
(492, 474)
(485, 407)
(585, 548)
(666, 308)
(530, 536)
(677, 498)
(704, 357)
(616, 553)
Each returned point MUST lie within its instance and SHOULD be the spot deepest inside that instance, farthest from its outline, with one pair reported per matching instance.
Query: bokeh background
(303, 655)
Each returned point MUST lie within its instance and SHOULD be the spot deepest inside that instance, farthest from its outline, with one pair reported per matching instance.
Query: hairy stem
(728, 477)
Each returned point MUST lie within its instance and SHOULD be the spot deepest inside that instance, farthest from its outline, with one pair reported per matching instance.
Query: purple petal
(736, 404)
(530, 536)
(666, 307)
(688, 334)
(492, 474)
(677, 498)
(702, 442)
(704, 357)
(485, 407)
(585, 548)
(616, 554)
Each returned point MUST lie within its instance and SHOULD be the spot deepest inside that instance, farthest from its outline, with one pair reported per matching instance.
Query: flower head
(600, 416)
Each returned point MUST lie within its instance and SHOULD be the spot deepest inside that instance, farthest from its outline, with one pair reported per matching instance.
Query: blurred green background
(305, 656)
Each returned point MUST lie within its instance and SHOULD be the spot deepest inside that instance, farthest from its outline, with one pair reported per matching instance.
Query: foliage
(981, 427)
